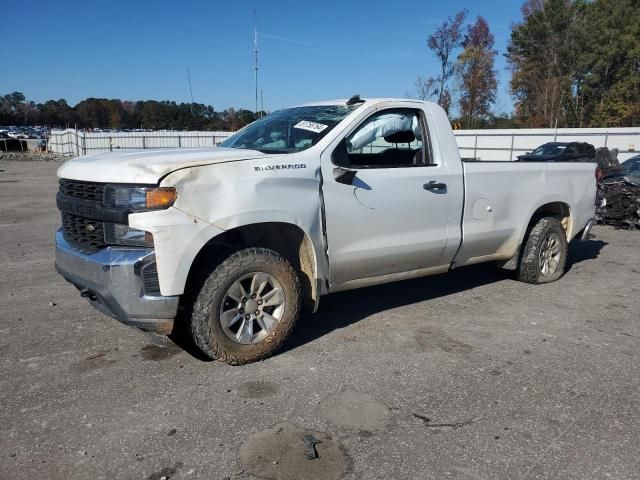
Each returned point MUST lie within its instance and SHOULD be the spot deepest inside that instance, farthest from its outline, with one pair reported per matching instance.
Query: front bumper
(111, 279)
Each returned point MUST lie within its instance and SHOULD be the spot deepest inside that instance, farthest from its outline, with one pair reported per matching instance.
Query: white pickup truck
(231, 242)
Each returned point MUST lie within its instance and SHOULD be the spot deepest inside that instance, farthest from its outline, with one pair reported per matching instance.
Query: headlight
(140, 198)
(118, 234)
(134, 199)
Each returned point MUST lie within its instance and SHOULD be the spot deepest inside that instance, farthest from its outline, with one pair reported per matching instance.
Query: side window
(390, 138)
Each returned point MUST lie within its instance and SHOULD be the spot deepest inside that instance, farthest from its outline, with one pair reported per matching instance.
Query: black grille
(150, 281)
(82, 232)
(85, 190)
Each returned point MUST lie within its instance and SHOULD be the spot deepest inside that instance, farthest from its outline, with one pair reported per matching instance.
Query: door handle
(434, 186)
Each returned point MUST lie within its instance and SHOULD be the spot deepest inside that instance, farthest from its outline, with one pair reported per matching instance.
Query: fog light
(118, 234)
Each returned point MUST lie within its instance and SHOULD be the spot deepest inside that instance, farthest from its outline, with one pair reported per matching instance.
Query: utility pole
(255, 52)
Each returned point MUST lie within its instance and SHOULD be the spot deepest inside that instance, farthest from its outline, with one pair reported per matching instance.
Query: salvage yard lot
(470, 375)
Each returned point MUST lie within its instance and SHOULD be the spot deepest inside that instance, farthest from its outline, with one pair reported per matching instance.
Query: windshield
(549, 149)
(291, 130)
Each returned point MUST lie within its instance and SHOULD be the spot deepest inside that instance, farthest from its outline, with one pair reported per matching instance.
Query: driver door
(387, 202)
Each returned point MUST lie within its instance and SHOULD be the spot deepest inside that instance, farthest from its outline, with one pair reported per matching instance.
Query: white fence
(78, 143)
(506, 145)
(502, 145)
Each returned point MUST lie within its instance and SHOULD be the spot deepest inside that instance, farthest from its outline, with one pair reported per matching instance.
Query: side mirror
(340, 155)
(344, 175)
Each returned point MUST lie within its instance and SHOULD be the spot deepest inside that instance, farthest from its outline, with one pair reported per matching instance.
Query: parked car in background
(631, 167)
(561, 152)
(628, 169)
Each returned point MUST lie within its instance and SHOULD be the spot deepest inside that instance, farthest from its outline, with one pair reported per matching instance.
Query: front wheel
(544, 255)
(247, 307)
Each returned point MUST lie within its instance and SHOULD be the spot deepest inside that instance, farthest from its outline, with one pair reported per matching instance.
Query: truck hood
(147, 166)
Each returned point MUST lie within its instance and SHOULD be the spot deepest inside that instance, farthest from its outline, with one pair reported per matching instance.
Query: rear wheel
(247, 307)
(544, 255)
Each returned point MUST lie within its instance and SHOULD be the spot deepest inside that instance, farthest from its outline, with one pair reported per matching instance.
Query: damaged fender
(216, 198)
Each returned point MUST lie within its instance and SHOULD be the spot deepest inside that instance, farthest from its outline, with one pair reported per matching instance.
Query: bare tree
(426, 87)
(443, 42)
(531, 6)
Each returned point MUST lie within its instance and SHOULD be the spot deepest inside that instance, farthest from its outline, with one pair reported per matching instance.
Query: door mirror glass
(340, 155)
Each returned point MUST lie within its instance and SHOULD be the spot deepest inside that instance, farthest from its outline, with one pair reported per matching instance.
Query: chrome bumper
(111, 279)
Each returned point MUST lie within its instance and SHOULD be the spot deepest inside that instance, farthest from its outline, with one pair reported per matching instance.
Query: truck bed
(498, 195)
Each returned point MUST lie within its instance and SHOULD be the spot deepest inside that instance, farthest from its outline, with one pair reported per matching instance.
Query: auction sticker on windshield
(311, 126)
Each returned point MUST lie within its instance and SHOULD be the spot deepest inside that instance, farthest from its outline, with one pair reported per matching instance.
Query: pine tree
(608, 64)
(541, 54)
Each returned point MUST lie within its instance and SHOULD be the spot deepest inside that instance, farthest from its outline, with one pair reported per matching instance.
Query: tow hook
(86, 293)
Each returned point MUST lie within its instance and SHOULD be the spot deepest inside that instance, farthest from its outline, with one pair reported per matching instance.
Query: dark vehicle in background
(561, 152)
(631, 167)
(618, 197)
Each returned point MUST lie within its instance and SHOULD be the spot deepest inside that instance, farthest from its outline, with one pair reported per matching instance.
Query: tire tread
(201, 329)
(528, 270)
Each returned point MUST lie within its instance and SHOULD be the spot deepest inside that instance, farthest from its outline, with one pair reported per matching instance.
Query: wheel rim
(549, 255)
(252, 307)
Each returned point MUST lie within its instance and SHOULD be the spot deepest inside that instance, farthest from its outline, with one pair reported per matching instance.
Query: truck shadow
(342, 309)
(581, 251)
(339, 310)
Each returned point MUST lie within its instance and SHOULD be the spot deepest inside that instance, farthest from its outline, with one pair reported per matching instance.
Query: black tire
(530, 269)
(206, 327)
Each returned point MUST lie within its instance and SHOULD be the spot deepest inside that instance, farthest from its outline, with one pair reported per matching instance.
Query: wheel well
(287, 239)
(559, 210)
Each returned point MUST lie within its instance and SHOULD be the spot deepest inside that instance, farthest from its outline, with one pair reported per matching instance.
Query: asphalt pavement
(470, 375)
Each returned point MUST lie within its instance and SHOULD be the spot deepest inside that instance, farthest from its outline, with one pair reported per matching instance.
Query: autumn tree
(443, 42)
(477, 76)
(15, 109)
(56, 113)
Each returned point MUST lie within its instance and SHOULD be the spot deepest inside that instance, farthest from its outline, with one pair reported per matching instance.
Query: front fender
(213, 199)
(178, 237)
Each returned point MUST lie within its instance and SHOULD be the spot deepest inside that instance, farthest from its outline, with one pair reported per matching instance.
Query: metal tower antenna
(190, 90)
(255, 51)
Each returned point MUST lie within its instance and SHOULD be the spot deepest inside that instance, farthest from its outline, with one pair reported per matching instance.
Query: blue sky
(308, 50)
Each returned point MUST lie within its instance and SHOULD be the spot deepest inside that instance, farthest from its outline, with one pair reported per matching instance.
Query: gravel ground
(469, 375)
(31, 157)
